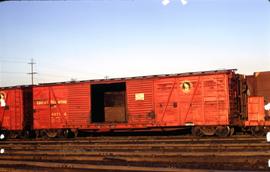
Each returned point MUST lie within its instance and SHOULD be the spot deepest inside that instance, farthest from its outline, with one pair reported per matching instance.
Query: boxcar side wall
(256, 114)
(140, 101)
(50, 106)
(61, 106)
(149, 103)
(79, 109)
(192, 100)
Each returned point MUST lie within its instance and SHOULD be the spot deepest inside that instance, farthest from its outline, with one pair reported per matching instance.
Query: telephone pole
(32, 73)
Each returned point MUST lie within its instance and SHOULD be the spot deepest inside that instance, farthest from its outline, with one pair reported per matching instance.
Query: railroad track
(138, 153)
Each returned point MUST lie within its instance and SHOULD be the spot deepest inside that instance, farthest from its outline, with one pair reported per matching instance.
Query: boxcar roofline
(114, 80)
(15, 87)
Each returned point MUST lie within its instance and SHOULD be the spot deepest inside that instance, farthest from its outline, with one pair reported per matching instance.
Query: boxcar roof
(15, 87)
(127, 78)
(144, 77)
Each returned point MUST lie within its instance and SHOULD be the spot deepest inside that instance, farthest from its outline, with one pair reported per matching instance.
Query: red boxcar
(258, 120)
(15, 110)
(209, 100)
(258, 117)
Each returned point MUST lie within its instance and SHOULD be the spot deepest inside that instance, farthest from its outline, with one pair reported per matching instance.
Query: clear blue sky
(94, 38)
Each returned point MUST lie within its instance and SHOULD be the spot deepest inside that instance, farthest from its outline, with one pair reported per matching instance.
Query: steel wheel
(223, 131)
(51, 133)
(196, 131)
(257, 131)
(208, 131)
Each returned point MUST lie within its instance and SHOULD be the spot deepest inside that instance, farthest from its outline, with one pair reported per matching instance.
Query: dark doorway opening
(108, 102)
